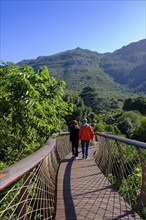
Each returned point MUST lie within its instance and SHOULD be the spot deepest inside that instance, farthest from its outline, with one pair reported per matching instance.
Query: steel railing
(28, 187)
(123, 162)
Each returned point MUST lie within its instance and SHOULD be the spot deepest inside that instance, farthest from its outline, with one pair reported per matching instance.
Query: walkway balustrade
(123, 162)
(28, 188)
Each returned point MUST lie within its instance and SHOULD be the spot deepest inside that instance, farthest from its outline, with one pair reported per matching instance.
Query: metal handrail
(15, 171)
(123, 162)
(124, 140)
(28, 188)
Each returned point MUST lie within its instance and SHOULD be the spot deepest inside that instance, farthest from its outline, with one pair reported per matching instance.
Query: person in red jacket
(85, 135)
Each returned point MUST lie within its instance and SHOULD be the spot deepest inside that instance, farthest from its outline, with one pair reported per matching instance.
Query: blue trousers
(85, 144)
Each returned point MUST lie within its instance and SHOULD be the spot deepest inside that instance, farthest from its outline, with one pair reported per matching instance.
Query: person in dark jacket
(74, 138)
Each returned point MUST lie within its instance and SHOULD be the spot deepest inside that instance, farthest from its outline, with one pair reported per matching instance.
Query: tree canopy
(31, 109)
(138, 103)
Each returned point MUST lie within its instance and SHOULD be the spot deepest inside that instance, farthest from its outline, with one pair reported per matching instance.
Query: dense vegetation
(31, 109)
(128, 120)
(34, 105)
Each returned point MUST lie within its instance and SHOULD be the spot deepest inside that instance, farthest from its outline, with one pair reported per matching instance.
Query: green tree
(126, 127)
(90, 97)
(140, 132)
(127, 104)
(79, 109)
(138, 104)
(128, 122)
(31, 109)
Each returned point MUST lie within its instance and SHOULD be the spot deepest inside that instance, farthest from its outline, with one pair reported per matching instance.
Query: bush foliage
(31, 109)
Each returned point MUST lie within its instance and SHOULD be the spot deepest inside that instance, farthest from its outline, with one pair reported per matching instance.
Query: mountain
(124, 68)
(78, 68)
(121, 63)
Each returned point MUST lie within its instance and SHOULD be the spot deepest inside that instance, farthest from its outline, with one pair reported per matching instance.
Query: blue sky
(36, 28)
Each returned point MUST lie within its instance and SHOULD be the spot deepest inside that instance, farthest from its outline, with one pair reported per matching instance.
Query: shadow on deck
(83, 192)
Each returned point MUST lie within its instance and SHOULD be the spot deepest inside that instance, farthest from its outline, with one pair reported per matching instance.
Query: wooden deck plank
(83, 192)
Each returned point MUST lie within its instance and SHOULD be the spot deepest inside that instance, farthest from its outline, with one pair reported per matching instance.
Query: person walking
(85, 135)
(74, 138)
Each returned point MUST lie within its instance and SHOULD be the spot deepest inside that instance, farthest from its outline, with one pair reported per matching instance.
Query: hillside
(127, 64)
(79, 68)
(107, 72)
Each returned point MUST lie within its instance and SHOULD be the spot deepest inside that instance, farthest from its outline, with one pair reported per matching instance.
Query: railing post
(120, 168)
(21, 208)
(98, 154)
(141, 200)
(109, 162)
(102, 156)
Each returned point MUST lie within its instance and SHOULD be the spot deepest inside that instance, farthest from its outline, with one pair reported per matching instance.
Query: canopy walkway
(50, 184)
(83, 192)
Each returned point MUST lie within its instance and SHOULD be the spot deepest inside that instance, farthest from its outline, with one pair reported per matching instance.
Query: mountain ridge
(118, 68)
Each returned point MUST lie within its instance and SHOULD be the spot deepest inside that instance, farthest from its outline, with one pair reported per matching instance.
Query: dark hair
(75, 122)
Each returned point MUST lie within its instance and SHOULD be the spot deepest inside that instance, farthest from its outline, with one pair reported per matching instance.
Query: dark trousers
(75, 145)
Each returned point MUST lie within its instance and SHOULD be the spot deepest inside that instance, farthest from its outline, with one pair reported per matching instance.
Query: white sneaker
(76, 158)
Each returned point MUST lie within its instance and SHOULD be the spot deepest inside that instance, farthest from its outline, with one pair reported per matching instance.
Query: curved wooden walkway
(84, 193)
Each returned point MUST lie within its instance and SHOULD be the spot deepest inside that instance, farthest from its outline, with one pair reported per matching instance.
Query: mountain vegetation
(127, 64)
(115, 72)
